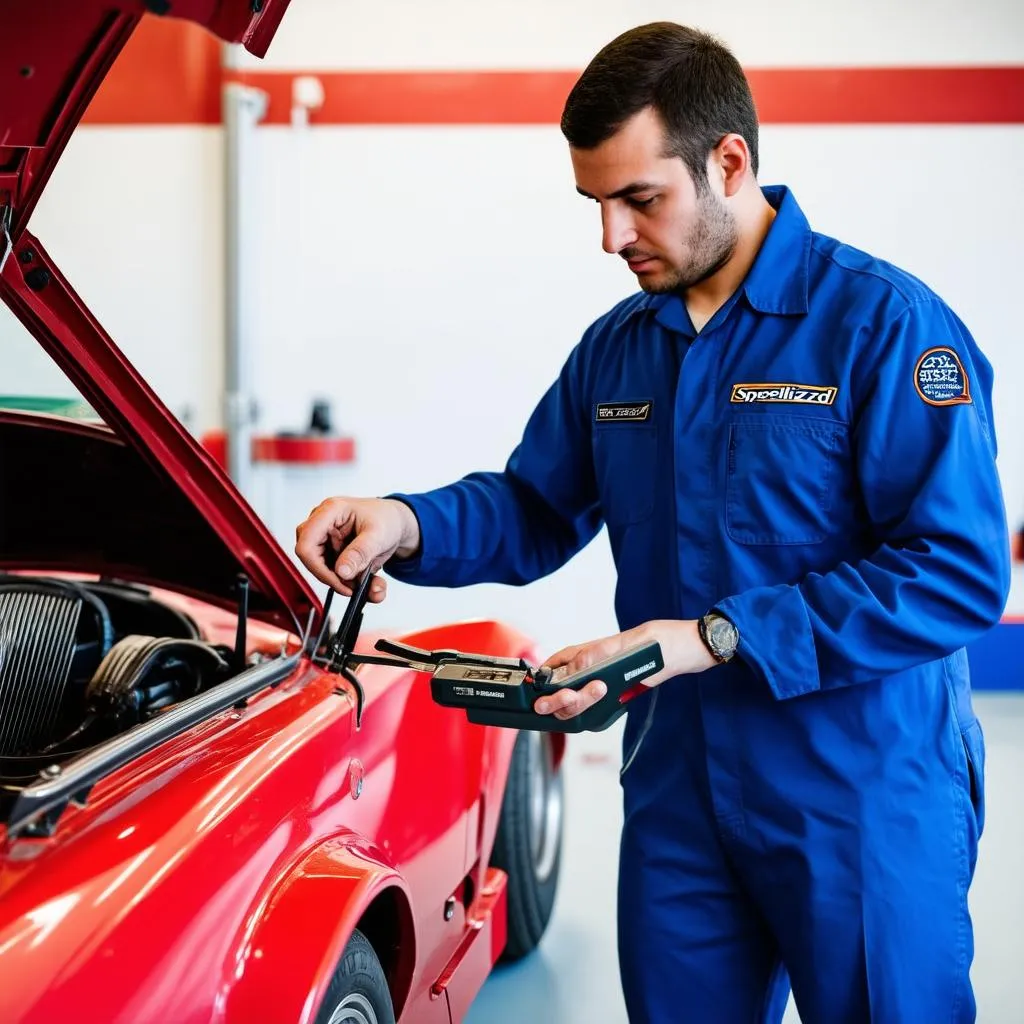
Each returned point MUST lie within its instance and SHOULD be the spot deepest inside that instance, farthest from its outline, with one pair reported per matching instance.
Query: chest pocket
(626, 462)
(782, 478)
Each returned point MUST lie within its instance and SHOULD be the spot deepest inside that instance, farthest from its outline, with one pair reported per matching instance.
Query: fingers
(582, 656)
(319, 568)
(365, 550)
(564, 656)
(376, 593)
(569, 703)
(320, 539)
(339, 540)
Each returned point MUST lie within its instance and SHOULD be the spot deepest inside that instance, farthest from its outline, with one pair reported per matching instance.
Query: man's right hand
(342, 536)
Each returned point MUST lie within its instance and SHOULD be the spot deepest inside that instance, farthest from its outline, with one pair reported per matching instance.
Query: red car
(199, 819)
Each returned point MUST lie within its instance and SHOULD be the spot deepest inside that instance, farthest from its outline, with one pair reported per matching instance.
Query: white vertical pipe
(243, 108)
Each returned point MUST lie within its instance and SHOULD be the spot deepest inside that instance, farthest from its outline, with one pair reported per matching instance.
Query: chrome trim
(59, 786)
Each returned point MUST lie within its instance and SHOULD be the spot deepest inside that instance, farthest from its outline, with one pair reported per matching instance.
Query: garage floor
(548, 987)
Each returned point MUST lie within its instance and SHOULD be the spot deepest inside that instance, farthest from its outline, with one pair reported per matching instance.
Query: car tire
(528, 846)
(358, 992)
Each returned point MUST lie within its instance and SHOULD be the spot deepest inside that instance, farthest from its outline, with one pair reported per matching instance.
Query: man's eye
(641, 203)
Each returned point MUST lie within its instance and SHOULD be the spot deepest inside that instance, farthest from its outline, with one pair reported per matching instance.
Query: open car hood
(53, 57)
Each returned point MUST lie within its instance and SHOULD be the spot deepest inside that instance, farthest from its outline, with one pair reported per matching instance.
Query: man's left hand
(682, 649)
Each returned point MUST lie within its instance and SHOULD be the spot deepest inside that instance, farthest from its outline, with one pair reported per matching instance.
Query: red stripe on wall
(959, 95)
(170, 74)
(425, 97)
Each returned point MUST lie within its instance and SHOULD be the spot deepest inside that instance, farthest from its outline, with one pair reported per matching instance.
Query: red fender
(290, 949)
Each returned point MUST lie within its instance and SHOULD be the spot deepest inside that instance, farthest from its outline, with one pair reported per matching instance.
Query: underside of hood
(77, 499)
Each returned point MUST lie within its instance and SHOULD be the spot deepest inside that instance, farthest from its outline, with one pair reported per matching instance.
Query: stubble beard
(709, 246)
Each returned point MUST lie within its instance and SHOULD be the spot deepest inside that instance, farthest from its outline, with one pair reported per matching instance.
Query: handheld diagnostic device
(492, 690)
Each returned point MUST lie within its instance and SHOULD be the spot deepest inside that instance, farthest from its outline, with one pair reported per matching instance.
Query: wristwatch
(720, 636)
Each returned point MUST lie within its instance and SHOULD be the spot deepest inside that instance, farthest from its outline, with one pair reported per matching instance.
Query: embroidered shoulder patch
(940, 378)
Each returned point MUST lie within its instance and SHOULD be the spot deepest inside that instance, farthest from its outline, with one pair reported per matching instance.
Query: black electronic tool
(492, 690)
(505, 695)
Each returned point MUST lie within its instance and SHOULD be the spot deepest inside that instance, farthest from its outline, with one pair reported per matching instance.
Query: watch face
(723, 635)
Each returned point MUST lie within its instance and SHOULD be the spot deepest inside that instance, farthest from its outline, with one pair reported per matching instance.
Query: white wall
(134, 218)
(429, 281)
(566, 33)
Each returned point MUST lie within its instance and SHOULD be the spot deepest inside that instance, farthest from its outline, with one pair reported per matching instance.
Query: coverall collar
(776, 282)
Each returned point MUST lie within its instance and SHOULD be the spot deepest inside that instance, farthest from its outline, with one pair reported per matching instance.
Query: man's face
(672, 234)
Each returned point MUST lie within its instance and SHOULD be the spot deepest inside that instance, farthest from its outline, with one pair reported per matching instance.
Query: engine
(81, 662)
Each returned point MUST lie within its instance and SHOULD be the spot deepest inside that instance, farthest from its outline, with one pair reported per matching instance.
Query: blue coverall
(818, 463)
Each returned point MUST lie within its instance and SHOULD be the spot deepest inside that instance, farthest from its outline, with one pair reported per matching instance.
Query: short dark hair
(693, 82)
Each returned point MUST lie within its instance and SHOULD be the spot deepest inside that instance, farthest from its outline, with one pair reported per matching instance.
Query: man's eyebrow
(627, 190)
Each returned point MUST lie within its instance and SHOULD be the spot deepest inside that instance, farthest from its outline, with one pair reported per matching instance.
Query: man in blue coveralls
(791, 444)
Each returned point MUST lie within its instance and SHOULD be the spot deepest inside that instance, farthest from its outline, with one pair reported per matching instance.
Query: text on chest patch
(799, 394)
(623, 412)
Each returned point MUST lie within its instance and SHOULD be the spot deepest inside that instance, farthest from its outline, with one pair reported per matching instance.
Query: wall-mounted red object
(308, 448)
(295, 450)
(216, 443)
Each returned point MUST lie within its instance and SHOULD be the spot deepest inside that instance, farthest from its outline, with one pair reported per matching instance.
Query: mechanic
(791, 444)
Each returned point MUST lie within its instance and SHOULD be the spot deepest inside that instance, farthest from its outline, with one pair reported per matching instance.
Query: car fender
(289, 950)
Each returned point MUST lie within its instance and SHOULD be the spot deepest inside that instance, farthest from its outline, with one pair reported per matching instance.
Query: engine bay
(84, 661)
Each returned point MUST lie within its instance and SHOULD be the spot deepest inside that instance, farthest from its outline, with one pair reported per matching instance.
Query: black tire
(358, 992)
(528, 846)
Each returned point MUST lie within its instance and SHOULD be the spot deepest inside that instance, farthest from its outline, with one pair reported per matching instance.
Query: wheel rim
(545, 805)
(354, 1009)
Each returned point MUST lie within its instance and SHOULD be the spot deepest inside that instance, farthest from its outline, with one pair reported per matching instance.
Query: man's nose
(617, 230)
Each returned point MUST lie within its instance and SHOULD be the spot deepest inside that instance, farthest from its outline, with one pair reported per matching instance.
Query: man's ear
(730, 162)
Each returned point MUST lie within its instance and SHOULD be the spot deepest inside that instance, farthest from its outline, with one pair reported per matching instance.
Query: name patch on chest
(793, 394)
(623, 412)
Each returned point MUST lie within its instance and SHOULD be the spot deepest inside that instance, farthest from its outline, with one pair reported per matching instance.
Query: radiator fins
(37, 644)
